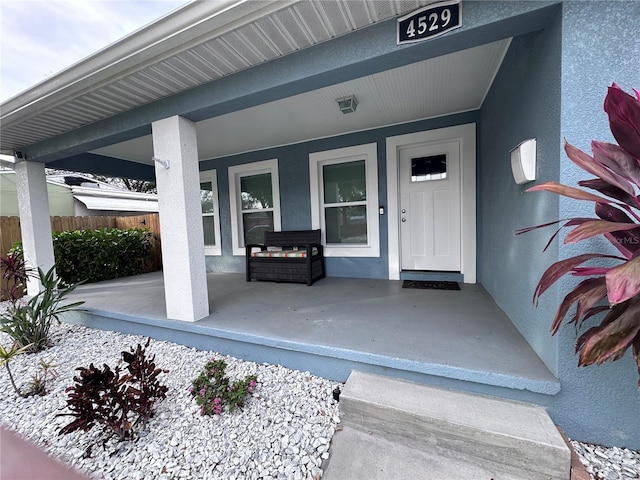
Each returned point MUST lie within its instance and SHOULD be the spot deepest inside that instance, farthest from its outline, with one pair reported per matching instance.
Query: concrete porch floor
(455, 339)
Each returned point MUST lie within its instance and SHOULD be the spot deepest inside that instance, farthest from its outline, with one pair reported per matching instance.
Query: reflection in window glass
(255, 224)
(424, 169)
(208, 226)
(206, 197)
(346, 224)
(208, 219)
(345, 200)
(255, 191)
(344, 182)
(257, 207)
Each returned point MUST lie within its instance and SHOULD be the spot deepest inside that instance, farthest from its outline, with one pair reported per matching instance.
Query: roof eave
(175, 32)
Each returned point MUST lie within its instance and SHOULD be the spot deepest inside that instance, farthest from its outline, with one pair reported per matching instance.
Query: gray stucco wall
(599, 46)
(551, 86)
(295, 201)
(522, 103)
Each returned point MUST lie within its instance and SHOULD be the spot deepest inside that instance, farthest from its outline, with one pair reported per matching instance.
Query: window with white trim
(255, 202)
(210, 212)
(344, 200)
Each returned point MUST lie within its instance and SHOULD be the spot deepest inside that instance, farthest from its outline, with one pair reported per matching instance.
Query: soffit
(444, 85)
(259, 37)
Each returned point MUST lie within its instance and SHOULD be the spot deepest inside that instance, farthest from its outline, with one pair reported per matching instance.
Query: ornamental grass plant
(28, 324)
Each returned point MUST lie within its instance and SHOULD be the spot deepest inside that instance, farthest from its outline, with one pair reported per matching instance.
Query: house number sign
(430, 21)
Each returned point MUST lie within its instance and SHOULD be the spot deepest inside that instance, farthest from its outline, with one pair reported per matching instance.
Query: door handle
(404, 211)
(404, 220)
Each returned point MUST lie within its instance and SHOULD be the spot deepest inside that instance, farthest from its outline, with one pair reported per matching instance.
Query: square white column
(184, 269)
(35, 221)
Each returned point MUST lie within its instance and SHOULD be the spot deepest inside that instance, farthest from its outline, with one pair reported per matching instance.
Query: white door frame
(466, 134)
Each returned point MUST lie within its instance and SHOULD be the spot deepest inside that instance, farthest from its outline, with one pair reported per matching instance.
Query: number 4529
(429, 23)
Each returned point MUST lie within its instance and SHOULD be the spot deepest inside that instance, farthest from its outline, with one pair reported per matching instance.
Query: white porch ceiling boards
(443, 85)
(197, 44)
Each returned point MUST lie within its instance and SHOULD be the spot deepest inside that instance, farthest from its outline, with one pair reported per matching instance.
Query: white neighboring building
(77, 195)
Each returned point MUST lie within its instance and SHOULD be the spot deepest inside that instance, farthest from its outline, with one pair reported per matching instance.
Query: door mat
(430, 284)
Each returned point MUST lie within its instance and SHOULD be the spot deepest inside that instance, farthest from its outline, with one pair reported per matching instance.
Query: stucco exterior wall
(523, 103)
(599, 46)
(551, 86)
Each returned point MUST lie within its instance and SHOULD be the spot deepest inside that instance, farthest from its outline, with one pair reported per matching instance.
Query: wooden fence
(10, 231)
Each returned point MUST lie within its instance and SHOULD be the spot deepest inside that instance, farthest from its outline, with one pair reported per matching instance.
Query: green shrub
(96, 255)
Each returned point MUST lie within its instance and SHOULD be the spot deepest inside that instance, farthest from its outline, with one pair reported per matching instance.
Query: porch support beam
(35, 221)
(184, 269)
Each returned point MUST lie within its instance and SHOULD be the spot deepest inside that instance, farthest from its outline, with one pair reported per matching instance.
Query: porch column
(35, 221)
(185, 278)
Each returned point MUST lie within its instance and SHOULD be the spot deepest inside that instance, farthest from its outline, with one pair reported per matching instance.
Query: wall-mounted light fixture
(164, 163)
(523, 161)
(347, 104)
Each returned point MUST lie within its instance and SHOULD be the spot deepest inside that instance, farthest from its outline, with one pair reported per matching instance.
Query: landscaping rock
(608, 463)
(177, 442)
(288, 409)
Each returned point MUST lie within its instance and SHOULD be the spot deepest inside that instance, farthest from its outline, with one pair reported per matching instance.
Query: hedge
(103, 254)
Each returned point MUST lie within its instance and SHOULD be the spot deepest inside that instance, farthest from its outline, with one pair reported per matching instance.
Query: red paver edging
(578, 471)
(21, 459)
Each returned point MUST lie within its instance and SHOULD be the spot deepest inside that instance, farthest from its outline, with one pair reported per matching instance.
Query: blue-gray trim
(367, 51)
(103, 165)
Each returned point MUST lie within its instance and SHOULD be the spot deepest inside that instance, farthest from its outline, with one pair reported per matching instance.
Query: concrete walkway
(397, 429)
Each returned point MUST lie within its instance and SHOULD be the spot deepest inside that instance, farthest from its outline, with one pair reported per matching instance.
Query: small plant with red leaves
(116, 399)
(613, 286)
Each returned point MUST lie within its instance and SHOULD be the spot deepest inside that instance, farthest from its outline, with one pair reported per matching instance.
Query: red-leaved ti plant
(617, 206)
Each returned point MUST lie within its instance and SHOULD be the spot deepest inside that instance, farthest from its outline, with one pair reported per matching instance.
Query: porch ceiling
(199, 43)
(439, 86)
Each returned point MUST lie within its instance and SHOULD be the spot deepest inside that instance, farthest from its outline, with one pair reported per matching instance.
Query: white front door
(430, 206)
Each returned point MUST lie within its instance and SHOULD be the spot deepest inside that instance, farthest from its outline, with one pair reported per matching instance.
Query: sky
(39, 38)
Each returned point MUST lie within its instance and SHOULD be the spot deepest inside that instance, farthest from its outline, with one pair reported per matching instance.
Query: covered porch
(222, 91)
(456, 339)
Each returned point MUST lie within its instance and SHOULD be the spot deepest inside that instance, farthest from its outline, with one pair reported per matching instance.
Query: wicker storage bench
(291, 256)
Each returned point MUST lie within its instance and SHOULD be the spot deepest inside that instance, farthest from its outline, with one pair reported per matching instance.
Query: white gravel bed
(608, 463)
(282, 432)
